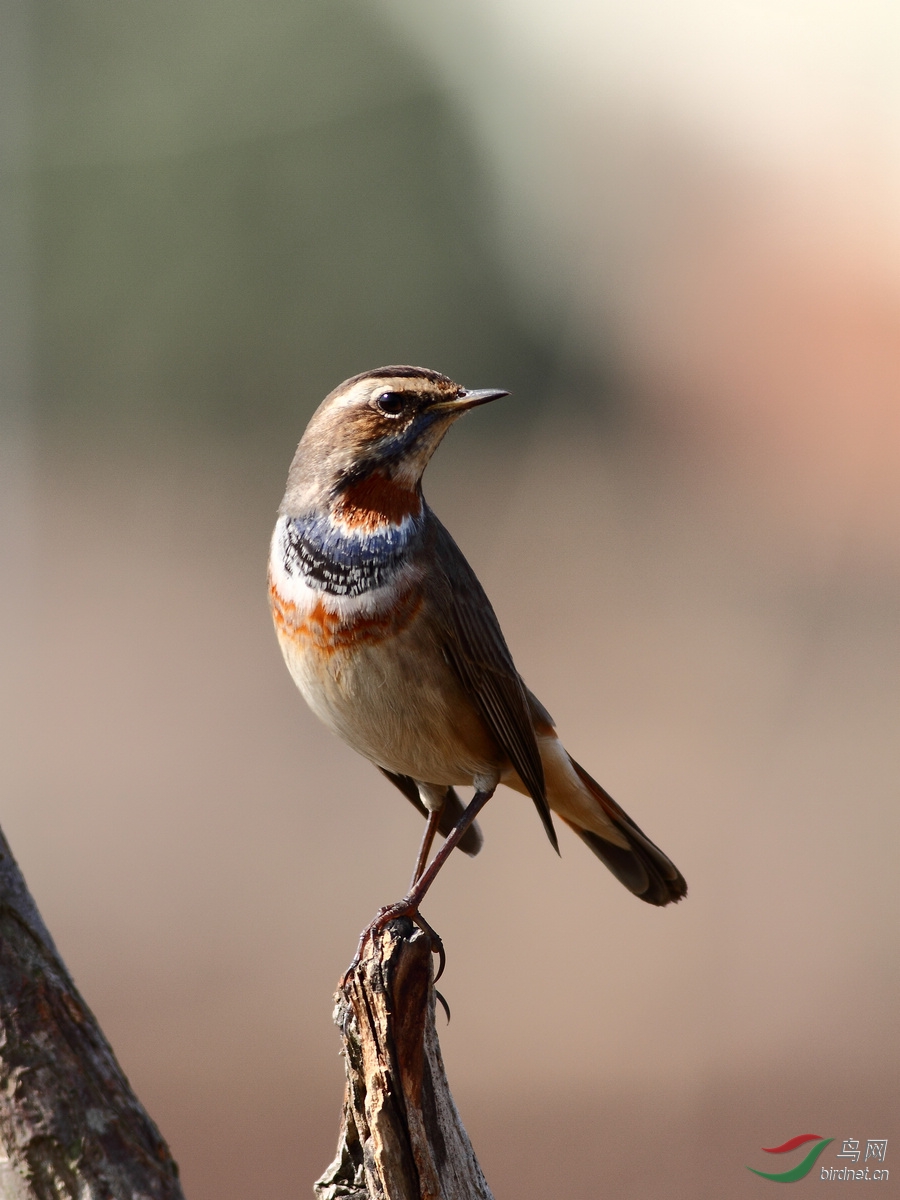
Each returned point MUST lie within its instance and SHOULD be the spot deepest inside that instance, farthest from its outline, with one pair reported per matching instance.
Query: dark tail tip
(641, 866)
(650, 876)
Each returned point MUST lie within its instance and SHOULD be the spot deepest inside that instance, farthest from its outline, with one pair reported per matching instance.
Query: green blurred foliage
(236, 206)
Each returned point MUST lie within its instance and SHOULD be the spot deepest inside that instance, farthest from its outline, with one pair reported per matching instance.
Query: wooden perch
(70, 1125)
(401, 1137)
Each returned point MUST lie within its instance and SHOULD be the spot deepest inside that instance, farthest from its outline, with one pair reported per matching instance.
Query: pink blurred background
(695, 561)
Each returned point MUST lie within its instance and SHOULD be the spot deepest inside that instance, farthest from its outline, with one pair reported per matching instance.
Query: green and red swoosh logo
(802, 1168)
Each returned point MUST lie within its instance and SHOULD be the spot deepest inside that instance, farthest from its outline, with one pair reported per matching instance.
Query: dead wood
(70, 1125)
(72, 1129)
(401, 1137)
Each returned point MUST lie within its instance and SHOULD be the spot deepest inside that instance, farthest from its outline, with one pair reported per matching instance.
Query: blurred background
(671, 230)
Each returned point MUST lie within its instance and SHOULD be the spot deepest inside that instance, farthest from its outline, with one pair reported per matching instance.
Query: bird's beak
(467, 400)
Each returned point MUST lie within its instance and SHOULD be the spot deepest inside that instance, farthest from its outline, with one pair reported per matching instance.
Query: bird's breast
(342, 555)
(334, 589)
(318, 626)
(370, 665)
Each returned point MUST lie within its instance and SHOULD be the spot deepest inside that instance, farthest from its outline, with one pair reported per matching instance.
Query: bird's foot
(392, 912)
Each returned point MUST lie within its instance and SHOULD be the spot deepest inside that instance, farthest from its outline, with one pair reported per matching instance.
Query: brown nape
(401, 372)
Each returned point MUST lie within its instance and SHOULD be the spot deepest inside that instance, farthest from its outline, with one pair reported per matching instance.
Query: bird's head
(383, 425)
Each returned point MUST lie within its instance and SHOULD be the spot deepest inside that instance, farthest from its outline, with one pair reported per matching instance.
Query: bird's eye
(390, 403)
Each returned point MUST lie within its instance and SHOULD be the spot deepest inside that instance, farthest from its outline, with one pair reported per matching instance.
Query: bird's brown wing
(474, 646)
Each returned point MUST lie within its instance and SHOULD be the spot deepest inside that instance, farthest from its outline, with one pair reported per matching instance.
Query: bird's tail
(632, 857)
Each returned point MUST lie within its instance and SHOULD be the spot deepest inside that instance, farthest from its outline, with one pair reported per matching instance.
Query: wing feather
(475, 647)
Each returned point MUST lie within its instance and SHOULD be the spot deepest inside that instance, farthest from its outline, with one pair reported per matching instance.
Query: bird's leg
(416, 894)
(409, 905)
(427, 842)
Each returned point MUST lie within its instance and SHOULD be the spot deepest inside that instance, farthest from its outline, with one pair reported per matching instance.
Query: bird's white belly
(369, 673)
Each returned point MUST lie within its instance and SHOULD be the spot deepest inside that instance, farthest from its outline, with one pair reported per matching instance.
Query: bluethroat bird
(394, 645)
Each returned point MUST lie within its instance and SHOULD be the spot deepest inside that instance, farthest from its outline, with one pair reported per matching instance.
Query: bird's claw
(437, 945)
(392, 912)
(443, 1003)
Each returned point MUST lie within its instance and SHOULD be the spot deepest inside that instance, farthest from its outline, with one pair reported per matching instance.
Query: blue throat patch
(346, 564)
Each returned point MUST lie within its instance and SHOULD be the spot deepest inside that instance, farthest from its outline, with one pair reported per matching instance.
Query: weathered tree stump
(401, 1137)
(70, 1125)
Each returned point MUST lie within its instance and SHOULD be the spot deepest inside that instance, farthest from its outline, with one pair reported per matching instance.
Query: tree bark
(401, 1137)
(72, 1129)
(70, 1126)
